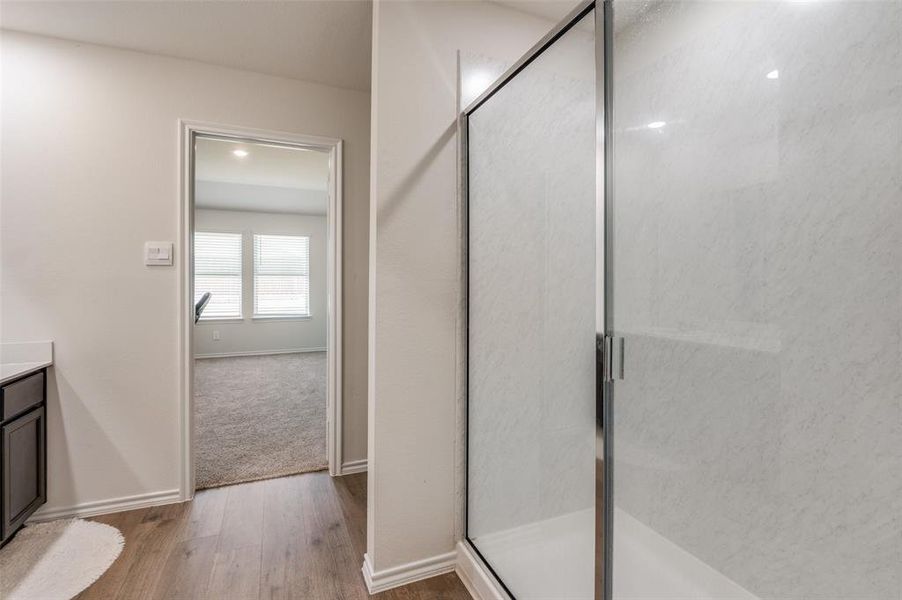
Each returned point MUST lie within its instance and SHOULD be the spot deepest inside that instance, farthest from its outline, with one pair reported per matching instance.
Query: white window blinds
(217, 269)
(281, 275)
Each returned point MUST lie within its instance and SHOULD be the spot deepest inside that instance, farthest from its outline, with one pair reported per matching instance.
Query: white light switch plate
(158, 254)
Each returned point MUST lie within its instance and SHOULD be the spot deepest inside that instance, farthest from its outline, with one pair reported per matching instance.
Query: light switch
(158, 254)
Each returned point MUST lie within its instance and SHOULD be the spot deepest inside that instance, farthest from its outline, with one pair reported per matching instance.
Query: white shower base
(651, 567)
(554, 559)
(547, 559)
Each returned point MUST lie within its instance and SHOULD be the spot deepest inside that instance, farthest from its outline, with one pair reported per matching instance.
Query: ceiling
(264, 164)
(324, 41)
(267, 179)
(627, 12)
(551, 10)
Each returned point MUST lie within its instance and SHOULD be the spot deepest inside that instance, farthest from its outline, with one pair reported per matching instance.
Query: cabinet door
(24, 467)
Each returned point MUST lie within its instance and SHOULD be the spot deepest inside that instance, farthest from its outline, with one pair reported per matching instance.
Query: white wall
(90, 171)
(227, 195)
(251, 335)
(413, 496)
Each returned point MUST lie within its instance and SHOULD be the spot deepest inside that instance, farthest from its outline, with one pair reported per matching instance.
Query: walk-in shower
(697, 208)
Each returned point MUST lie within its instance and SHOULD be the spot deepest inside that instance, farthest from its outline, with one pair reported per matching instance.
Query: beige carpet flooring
(257, 417)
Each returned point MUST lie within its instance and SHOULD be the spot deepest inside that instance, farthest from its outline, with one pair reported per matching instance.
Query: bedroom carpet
(258, 417)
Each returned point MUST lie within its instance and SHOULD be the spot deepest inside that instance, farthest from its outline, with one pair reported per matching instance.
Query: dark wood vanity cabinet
(23, 451)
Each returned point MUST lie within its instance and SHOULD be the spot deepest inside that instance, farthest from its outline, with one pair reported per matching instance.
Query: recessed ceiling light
(656, 124)
(240, 153)
(775, 74)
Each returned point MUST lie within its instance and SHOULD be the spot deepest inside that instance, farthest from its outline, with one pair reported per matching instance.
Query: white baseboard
(102, 507)
(350, 467)
(408, 573)
(258, 352)
(476, 577)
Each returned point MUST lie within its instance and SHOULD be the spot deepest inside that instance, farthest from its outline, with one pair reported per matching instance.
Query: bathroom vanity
(23, 442)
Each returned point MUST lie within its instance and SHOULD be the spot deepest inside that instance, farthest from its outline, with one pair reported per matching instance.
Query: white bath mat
(57, 560)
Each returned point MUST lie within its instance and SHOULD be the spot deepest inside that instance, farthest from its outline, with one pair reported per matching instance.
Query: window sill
(282, 317)
(221, 320)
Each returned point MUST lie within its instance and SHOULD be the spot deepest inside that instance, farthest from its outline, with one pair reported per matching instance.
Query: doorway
(261, 292)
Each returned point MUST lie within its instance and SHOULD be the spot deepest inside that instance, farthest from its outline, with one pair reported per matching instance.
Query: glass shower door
(757, 264)
(531, 322)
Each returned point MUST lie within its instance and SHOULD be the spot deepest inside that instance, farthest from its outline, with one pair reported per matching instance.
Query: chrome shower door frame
(603, 261)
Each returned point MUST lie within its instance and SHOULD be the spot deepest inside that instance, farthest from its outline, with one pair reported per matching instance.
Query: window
(281, 276)
(217, 269)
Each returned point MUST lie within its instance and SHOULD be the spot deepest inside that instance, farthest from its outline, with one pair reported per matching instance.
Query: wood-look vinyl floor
(300, 537)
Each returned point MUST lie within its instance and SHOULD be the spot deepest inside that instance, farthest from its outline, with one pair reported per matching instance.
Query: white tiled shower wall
(758, 266)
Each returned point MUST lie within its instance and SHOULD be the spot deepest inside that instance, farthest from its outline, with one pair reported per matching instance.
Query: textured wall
(90, 163)
(758, 265)
(413, 499)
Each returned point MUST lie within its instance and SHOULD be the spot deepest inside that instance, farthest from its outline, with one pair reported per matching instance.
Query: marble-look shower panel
(758, 283)
(531, 321)
(532, 296)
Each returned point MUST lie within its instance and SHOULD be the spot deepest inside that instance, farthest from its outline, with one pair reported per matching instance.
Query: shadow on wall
(65, 409)
(406, 186)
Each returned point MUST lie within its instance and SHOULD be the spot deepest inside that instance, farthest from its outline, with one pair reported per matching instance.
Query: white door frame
(188, 130)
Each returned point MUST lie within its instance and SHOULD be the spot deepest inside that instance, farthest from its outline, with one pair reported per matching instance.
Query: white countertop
(11, 371)
(22, 358)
